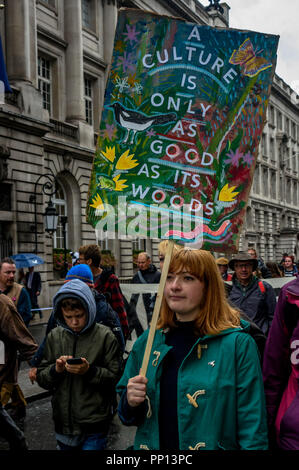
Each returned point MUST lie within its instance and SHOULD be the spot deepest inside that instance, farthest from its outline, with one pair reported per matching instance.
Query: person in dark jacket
(254, 297)
(105, 282)
(82, 389)
(33, 284)
(281, 370)
(274, 269)
(147, 274)
(261, 270)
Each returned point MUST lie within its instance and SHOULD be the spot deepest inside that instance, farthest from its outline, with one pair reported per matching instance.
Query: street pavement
(38, 425)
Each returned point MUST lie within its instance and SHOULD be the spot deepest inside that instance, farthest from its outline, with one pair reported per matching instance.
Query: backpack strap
(141, 278)
(262, 287)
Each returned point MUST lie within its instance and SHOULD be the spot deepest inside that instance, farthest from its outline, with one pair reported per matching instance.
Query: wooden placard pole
(157, 308)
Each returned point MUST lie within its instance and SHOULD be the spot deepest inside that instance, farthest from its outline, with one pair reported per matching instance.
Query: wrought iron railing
(5, 248)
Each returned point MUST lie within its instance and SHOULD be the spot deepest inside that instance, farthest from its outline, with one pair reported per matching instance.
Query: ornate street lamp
(50, 215)
(63, 220)
(50, 218)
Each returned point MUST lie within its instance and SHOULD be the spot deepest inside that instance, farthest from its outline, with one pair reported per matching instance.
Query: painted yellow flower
(126, 162)
(97, 203)
(109, 154)
(227, 194)
(119, 184)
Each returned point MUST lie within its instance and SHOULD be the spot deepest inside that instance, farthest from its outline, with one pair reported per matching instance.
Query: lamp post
(50, 215)
(63, 220)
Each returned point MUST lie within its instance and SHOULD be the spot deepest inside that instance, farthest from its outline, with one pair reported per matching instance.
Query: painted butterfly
(246, 57)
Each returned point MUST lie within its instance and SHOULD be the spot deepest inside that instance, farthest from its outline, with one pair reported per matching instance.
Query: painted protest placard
(183, 115)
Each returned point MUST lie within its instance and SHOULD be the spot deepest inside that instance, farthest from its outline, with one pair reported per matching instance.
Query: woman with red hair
(204, 386)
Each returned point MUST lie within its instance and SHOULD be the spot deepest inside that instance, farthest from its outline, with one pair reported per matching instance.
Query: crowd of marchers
(222, 372)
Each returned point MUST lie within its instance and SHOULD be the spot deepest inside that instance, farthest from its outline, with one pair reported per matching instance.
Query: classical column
(109, 25)
(262, 236)
(18, 40)
(74, 61)
(241, 242)
(271, 239)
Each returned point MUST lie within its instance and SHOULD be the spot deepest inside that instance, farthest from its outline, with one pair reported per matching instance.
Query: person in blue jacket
(203, 387)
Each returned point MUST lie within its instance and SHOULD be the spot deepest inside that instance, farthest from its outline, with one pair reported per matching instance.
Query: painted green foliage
(183, 114)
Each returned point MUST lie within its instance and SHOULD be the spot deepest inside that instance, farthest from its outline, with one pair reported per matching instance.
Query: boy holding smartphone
(81, 366)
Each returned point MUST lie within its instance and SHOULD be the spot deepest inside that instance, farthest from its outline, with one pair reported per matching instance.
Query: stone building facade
(272, 221)
(57, 55)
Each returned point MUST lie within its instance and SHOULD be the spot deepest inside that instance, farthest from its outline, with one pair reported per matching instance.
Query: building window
(293, 130)
(272, 149)
(273, 185)
(86, 6)
(272, 115)
(295, 193)
(49, 2)
(279, 120)
(264, 145)
(265, 182)
(257, 219)
(44, 81)
(139, 244)
(287, 126)
(256, 179)
(88, 98)
(249, 218)
(288, 191)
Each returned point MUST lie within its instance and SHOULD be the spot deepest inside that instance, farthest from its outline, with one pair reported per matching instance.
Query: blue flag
(3, 74)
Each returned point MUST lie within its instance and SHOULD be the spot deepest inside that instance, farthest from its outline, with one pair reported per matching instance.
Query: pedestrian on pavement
(203, 388)
(147, 274)
(105, 282)
(255, 297)
(33, 284)
(222, 264)
(21, 276)
(83, 388)
(104, 315)
(281, 265)
(274, 269)
(16, 292)
(289, 267)
(20, 297)
(261, 270)
(14, 338)
(280, 370)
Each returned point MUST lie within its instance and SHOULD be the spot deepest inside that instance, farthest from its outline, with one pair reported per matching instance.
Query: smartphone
(74, 360)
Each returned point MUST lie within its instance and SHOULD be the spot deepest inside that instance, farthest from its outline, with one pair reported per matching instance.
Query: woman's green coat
(220, 395)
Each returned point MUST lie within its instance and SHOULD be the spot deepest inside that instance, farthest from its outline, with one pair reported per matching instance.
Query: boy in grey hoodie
(82, 391)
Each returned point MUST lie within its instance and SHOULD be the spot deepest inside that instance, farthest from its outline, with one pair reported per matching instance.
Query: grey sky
(274, 17)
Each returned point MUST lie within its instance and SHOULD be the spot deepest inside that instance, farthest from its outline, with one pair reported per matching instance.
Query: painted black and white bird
(214, 4)
(136, 121)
